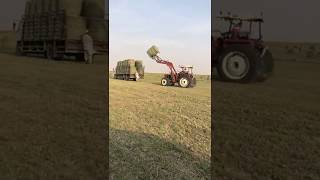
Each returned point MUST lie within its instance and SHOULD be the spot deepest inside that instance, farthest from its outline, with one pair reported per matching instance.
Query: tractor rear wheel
(238, 64)
(185, 81)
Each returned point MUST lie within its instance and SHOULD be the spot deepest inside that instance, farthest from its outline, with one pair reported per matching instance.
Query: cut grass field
(269, 130)
(159, 132)
(53, 119)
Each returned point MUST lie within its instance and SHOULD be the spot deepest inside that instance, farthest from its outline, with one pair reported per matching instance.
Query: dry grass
(304, 52)
(269, 130)
(7, 41)
(52, 119)
(159, 132)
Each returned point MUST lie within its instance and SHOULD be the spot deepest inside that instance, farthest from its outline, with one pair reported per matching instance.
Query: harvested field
(52, 119)
(7, 41)
(269, 130)
(159, 132)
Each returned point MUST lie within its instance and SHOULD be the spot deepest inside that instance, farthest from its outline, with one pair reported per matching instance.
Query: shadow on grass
(145, 156)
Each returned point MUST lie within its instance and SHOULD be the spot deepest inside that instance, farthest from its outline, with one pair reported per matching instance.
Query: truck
(54, 29)
(129, 69)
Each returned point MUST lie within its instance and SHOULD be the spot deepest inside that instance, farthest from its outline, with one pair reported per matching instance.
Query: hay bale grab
(129, 69)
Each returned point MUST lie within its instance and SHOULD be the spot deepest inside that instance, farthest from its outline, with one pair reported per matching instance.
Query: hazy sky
(181, 29)
(287, 20)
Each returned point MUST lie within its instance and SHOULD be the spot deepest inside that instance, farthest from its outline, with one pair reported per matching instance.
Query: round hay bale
(153, 51)
(93, 8)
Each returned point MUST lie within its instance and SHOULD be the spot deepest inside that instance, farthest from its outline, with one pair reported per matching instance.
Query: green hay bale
(153, 51)
(93, 8)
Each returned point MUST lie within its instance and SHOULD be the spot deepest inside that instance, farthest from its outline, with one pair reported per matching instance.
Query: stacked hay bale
(129, 68)
(27, 10)
(94, 11)
(80, 15)
(140, 68)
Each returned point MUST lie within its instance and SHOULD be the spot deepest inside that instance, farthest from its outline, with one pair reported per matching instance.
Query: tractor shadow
(145, 156)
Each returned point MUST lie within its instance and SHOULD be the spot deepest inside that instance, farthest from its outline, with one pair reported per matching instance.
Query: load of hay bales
(75, 27)
(127, 69)
(93, 8)
(81, 15)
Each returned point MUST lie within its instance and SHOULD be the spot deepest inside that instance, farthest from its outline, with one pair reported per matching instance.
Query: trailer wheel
(239, 64)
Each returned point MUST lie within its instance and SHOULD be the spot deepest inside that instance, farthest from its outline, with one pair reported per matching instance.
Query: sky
(180, 29)
(285, 20)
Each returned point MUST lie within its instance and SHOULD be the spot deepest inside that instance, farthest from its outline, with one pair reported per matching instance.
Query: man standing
(88, 48)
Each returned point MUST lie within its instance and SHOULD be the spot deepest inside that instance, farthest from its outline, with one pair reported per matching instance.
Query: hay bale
(76, 27)
(97, 29)
(93, 8)
(33, 7)
(46, 6)
(139, 67)
(153, 51)
(126, 67)
(39, 6)
(71, 7)
(27, 8)
(51, 5)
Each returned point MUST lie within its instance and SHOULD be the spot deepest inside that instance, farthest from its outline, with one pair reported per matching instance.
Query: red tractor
(185, 78)
(239, 56)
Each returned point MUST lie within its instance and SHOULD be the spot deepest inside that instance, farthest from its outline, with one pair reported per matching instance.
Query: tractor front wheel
(166, 82)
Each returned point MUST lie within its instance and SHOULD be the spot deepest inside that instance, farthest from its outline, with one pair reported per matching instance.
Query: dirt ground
(159, 132)
(53, 119)
(269, 130)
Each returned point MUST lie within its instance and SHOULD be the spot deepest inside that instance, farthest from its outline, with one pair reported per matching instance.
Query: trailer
(55, 35)
(129, 70)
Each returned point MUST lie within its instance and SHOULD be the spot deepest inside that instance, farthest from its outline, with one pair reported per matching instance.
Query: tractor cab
(187, 69)
(242, 28)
